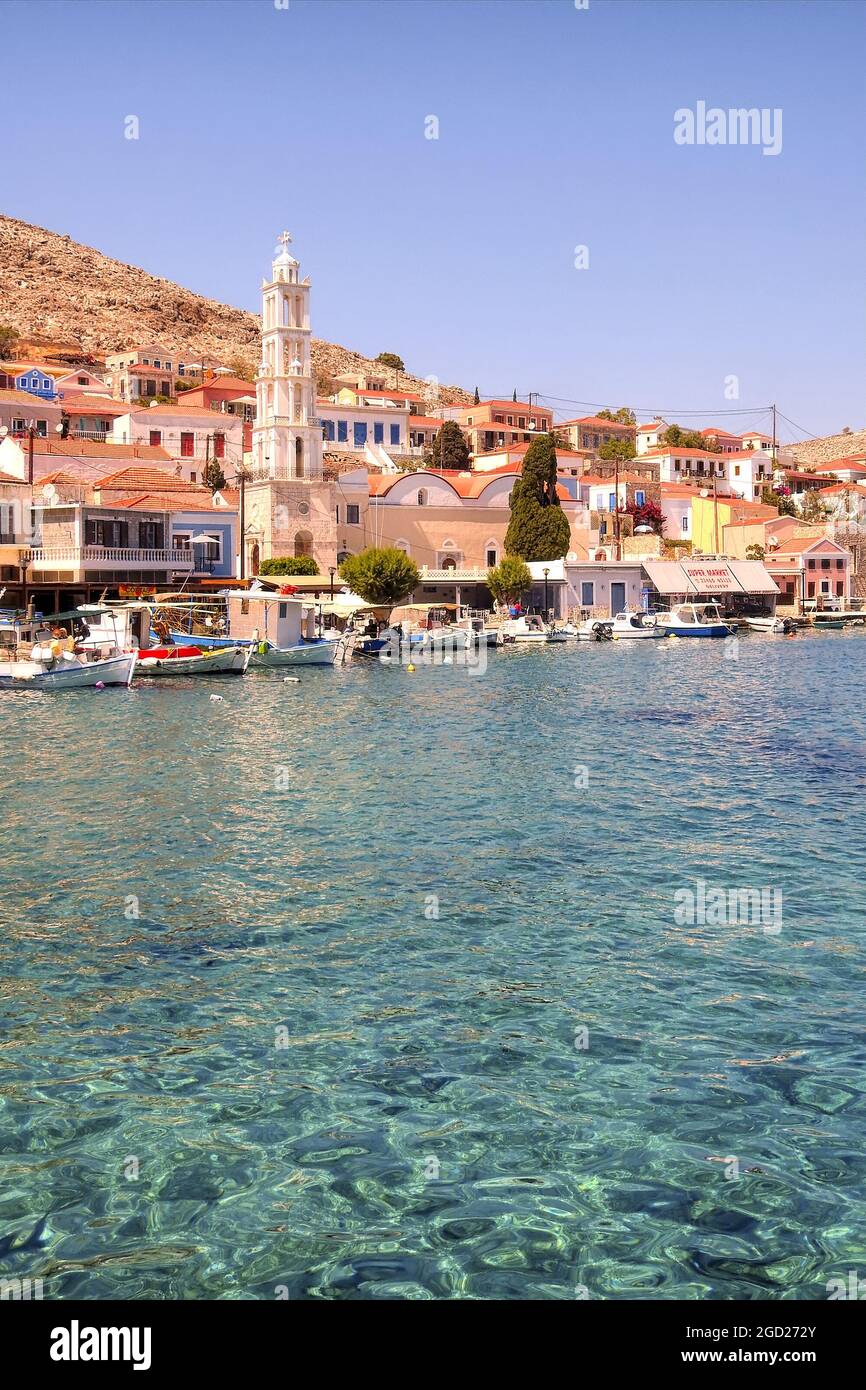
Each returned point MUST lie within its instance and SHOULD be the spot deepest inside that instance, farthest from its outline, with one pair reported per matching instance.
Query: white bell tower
(287, 437)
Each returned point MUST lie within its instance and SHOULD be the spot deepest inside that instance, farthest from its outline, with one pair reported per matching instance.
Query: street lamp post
(546, 572)
(332, 570)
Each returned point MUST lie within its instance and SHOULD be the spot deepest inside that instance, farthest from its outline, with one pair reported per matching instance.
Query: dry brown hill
(55, 291)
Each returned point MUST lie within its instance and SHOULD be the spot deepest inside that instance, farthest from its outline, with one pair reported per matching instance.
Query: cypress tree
(538, 529)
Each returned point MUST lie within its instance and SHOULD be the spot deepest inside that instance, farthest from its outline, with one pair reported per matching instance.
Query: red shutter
(219, 446)
(156, 437)
(187, 442)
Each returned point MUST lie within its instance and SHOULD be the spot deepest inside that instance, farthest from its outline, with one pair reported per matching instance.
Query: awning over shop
(708, 575)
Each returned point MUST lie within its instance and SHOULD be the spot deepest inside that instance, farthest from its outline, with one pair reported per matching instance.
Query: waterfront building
(452, 524)
(811, 571)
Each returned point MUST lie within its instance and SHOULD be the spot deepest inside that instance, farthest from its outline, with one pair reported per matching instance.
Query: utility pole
(242, 477)
(616, 546)
(715, 518)
(774, 435)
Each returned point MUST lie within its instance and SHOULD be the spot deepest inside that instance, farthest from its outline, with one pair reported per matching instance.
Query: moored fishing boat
(193, 661)
(695, 620)
(280, 629)
(38, 657)
(529, 627)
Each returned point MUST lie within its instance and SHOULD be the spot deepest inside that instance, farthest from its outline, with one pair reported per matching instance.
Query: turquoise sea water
(288, 1074)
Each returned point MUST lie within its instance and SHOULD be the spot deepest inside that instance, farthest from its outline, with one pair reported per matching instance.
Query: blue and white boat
(695, 620)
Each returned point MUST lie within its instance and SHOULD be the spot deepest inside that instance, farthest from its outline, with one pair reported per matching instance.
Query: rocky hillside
(55, 291)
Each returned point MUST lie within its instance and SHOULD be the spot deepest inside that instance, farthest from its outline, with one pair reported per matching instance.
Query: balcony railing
(49, 556)
(470, 573)
(98, 436)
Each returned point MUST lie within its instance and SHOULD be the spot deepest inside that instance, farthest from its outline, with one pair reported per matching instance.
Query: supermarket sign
(712, 577)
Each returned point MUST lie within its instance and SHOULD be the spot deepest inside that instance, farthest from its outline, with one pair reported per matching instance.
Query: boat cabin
(276, 618)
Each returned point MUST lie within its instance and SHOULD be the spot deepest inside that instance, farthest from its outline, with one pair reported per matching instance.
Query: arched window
(491, 554)
(299, 458)
(422, 497)
(449, 563)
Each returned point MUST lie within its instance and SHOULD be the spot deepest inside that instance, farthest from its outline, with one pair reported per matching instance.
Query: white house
(647, 436)
(190, 434)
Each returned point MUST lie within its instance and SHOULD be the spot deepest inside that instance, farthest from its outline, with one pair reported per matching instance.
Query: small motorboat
(635, 623)
(530, 627)
(772, 623)
(193, 661)
(695, 620)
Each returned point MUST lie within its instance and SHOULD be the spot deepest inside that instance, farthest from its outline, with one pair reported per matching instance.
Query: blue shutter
(378, 434)
(360, 433)
(342, 431)
(639, 499)
(612, 500)
(395, 434)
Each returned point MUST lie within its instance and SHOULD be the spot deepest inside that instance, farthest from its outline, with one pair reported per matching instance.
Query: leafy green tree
(622, 449)
(289, 564)
(390, 359)
(755, 552)
(449, 448)
(380, 576)
(623, 416)
(8, 339)
(508, 580)
(213, 475)
(538, 529)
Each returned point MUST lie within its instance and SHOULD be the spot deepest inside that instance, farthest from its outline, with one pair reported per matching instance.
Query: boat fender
(215, 699)
(262, 649)
(291, 680)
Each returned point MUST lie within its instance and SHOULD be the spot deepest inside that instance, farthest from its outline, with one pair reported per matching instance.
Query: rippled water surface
(338, 1052)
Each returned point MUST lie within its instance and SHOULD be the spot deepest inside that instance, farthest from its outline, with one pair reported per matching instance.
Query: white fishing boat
(695, 620)
(193, 661)
(281, 630)
(35, 656)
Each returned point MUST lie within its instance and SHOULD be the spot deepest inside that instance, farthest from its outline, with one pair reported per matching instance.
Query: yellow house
(711, 515)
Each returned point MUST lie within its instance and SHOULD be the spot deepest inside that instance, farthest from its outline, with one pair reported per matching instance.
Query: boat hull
(180, 661)
(73, 675)
(322, 653)
(700, 630)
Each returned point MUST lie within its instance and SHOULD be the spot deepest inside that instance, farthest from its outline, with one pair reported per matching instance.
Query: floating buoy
(100, 685)
(215, 699)
(410, 669)
(291, 680)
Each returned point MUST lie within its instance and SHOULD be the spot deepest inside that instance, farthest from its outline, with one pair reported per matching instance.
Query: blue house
(37, 382)
(214, 558)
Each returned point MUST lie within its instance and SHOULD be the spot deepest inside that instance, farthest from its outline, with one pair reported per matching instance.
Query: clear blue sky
(556, 129)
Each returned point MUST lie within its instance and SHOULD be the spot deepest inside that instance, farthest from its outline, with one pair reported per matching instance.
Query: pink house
(811, 572)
